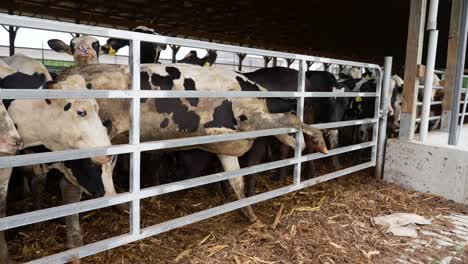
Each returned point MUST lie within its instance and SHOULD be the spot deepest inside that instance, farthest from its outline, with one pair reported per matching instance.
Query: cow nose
(19, 144)
(102, 159)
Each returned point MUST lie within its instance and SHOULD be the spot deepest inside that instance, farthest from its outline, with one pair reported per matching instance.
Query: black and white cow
(167, 118)
(57, 124)
(192, 58)
(149, 52)
(195, 163)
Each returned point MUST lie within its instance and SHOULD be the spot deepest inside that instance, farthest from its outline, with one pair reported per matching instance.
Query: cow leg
(4, 179)
(257, 121)
(231, 163)
(332, 138)
(283, 171)
(38, 185)
(72, 194)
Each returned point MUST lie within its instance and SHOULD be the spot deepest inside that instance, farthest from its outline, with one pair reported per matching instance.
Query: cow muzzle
(102, 159)
(11, 145)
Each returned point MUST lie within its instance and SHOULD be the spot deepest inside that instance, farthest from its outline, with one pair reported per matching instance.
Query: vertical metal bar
(429, 78)
(300, 113)
(135, 137)
(453, 133)
(385, 100)
(430, 65)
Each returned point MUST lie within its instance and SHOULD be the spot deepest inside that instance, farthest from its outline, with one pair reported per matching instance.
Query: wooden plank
(452, 55)
(414, 48)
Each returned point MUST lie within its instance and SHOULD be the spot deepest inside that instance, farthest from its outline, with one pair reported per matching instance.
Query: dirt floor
(327, 223)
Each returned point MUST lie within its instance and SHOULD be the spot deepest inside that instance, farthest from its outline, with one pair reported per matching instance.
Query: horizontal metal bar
(345, 123)
(36, 23)
(432, 103)
(337, 151)
(430, 118)
(84, 206)
(435, 87)
(128, 94)
(114, 242)
(63, 210)
(30, 159)
(437, 117)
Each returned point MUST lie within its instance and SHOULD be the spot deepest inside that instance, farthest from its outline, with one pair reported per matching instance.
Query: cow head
(150, 52)
(207, 61)
(85, 49)
(10, 140)
(61, 124)
(351, 72)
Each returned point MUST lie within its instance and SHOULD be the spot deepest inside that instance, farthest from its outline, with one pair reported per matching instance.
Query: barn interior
(327, 217)
(363, 31)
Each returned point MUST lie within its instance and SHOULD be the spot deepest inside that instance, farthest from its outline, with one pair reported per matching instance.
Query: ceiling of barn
(362, 30)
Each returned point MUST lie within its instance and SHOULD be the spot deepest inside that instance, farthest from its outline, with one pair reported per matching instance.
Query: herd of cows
(31, 126)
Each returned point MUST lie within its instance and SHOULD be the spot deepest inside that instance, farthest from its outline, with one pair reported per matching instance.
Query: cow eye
(81, 113)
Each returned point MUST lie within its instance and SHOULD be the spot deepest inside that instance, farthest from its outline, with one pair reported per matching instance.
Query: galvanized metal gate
(135, 147)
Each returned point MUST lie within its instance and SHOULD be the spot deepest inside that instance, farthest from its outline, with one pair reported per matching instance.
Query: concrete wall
(441, 170)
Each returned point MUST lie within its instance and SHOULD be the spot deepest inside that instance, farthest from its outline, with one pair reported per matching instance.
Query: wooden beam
(414, 48)
(451, 67)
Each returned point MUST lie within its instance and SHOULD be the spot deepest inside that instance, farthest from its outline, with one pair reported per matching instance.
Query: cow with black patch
(149, 52)
(192, 58)
(186, 120)
(58, 124)
(84, 49)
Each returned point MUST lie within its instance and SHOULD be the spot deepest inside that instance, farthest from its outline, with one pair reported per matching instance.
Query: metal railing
(135, 147)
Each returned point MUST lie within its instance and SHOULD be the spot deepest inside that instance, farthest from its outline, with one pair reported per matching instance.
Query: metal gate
(135, 147)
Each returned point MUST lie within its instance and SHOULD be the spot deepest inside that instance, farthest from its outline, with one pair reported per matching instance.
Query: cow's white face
(85, 49)
(10, 140)
(61, 124)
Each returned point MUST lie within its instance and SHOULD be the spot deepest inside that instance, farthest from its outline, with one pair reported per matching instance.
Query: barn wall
(440, 170)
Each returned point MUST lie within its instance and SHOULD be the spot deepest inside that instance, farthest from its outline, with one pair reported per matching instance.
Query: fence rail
(135, 147)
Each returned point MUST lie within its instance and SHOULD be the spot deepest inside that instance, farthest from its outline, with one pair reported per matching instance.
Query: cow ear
(59, 46)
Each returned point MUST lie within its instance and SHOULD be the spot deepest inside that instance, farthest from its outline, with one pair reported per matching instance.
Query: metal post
(430, 64)
(275, 62)
(175, 49)
(241, 59)
(135, 137)
(385, 95)
(267, 60)
(300, 113)
(453, 133)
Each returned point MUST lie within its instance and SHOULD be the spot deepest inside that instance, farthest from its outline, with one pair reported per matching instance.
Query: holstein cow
(149, 52)
(192, 58)
(167, 118)
(196, 163)
(57, 124)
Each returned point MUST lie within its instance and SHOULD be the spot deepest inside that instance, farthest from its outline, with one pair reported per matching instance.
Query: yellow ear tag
(358, 99)
(206, 64)
(112, 51)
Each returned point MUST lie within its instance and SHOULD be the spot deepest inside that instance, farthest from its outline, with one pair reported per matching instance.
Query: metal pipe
(134, 137)
(428, 82)
(385, 95)
(299, 137)
(432, 16)
(460, 126)
(453, 132)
